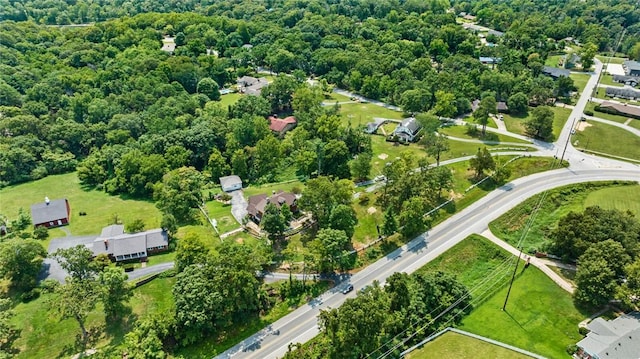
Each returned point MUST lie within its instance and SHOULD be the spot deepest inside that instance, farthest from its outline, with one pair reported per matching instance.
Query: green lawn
(101, 208)
(222, 214)
(516, 124)
(540, 316)
(635, 123)
(269, 188)
(553, 60)
(337, 97)
(608, 139)
(461, 132)
(558, 203)
(229, 99)
(43, 335)
(625, 198)
(612, 60)
(359, 114)
(457, 346)
(470, 260)
(607, 79)
(580, 80)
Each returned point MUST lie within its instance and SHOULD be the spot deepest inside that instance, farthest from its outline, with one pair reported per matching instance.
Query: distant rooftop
(618, 338)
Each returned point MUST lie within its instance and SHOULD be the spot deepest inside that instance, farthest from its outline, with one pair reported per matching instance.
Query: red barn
(51, 213)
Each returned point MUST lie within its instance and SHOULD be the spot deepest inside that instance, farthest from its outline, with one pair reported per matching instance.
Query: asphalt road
(301, 325)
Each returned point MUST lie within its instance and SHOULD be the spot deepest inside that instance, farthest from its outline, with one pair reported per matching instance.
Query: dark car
(348, 289)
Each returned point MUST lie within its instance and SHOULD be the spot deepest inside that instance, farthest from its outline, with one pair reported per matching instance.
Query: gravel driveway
(238, 205)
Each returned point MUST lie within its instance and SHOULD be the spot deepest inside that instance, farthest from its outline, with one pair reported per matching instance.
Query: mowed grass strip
(608, 139)
(540, 316)
(101, 208)
(622, 198)
(461, 132)
(359, 114)
(458, 346)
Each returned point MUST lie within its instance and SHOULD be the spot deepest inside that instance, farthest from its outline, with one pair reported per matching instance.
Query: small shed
(51, 213)
(230, 183)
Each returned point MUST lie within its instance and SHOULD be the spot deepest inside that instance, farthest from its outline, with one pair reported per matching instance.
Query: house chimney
(46, 200)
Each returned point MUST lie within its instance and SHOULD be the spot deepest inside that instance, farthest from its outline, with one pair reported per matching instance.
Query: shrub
(168, 274)
(296, 190)
(30, 295)
(583, 330)
(364, 198)
(49, 285)
(588, 112)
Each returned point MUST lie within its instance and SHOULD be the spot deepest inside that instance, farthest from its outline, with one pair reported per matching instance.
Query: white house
(408, 130)
(230, 183)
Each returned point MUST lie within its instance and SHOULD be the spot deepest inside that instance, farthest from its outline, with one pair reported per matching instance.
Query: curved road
(301, 325)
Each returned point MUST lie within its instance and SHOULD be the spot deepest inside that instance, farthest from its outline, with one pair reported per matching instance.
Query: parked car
(348, 289)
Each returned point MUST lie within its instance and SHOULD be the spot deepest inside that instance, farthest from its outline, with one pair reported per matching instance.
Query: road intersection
(301, 325)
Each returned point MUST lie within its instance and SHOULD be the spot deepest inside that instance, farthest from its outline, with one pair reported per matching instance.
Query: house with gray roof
(230, 183)
(627, 80)
(251, 86)
(622, 92)
(618, 338)
(125, 246)
(631, 68)
(51, 214)
(408, 130)
(555, 72)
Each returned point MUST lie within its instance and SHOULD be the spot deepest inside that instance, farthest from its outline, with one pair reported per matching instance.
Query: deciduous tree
(482, 162)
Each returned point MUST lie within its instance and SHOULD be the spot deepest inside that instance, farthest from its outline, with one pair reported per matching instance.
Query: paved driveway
(51, 267)
(238, 205)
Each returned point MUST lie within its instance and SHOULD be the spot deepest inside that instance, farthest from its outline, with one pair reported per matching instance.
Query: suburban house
(490, 60)
(622, 92)
(257, 203)
(280, 126)
(627, 80)
(618, 338)
(631, 68)
(251, 86)
(230, 183)
(51, 213)
(569, 61)
(616, 108)
(168, 44)
(502, 107)
(555, 72)
(125, 246)
(408, 130)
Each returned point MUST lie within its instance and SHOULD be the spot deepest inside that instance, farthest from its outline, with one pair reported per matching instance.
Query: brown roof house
(51, 213)
(280, 126)
(619, 109)
(258, 203)
(125, 246)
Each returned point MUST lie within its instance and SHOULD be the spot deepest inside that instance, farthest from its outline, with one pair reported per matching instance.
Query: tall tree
(8, 333)
(482, 161)
(273, 222)
(77, 262)
(587, 55)
(190, 250)
(332, 247)
(435, 144)
(343, 217)
(115, 291)
(21, 261)
(361, 166)
(76, 299)
(595, 282)
(180, 193)
(541, 123)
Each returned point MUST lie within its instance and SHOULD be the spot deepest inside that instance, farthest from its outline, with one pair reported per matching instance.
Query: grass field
(337, 97)
(580, 80)
(359, 114)
(470, 260)
(516, 124)
(101, 208)
(626, 198)
(461, 132)
(553, 60)
(607, 79)
(608, 139)
(229, 99)
(457, 346)
(222, 214)
(558, 203)
(43, 335)
(540, 316)
(635, 123)
(612, 60)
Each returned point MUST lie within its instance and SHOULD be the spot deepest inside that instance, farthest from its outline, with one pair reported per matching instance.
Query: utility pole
(568, 139)
(513, 277)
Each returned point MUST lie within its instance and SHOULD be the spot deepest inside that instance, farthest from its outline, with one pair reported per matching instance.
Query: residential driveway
(238, 205)
(51, 268)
